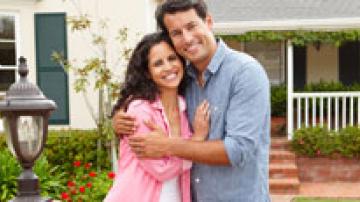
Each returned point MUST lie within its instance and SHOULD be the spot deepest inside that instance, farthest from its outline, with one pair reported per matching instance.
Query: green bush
(278, 100)
(55, 166)
(63, 147)
(318, 141)
(67, 146)
(51, 181)
(85, 184)
(9, 171)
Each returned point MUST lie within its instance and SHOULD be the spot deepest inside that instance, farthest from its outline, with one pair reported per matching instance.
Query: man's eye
(175, 33)
(191, 26)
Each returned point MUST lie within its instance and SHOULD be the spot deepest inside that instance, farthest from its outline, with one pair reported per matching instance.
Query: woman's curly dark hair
(138, 83)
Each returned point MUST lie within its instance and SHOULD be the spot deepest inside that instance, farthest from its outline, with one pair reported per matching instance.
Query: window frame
(17, 45)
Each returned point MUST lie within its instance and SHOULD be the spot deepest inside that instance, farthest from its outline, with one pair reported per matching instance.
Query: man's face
(191, 36)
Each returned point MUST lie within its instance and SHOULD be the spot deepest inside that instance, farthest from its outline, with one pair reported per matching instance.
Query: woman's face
(165, 67)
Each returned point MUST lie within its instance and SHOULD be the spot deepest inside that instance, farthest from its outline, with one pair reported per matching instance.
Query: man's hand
(123, 124)
(156, 144)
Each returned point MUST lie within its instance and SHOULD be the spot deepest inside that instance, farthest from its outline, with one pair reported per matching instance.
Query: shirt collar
(158, 105)
(215, 61)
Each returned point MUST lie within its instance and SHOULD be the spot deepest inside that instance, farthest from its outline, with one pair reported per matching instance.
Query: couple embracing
(196, 126)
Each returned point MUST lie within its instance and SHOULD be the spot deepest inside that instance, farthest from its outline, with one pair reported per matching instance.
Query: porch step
(280, 143)
(281, 156)
(283, 170)
(284, 186)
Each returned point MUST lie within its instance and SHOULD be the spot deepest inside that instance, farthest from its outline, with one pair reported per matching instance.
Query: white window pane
(7, 77)
(7, 54)
(7, 27)
(269, 54)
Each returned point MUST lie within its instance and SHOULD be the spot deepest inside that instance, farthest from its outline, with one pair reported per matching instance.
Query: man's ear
(209, 21)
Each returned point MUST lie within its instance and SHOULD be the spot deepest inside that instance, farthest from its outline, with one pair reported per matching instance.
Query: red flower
(89, 185)
(73, 192)
(318, 152)
(64, 196)
(71, 184)
(87, 165)
(82, 189)
(111, 175)
(92, 174)
(77, 163)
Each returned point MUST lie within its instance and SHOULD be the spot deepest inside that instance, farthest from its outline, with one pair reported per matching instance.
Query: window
(272, 56)
(8, 49)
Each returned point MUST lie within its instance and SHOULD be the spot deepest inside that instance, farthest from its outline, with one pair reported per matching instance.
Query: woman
(155, 82)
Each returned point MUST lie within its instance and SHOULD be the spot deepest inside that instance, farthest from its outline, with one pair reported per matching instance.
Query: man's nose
(187, 36)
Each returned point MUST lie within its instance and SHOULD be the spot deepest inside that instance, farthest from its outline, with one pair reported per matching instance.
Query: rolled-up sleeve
(246, 114)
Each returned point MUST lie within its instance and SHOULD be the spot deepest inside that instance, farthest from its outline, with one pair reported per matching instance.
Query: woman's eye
(172, 57)
(158, 63)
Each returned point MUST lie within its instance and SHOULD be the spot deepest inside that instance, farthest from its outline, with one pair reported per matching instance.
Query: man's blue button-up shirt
(237, 88)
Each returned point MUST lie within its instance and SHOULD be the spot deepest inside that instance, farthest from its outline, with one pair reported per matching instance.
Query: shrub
(51, 181)
(278, 100)
(9, 171)
(86, 185)
(321, 142)
(67, 146)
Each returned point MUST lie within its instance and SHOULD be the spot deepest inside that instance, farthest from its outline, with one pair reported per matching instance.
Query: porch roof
(265, 10)
(237, 16)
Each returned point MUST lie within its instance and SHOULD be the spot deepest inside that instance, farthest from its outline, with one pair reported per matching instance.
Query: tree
(96, 72)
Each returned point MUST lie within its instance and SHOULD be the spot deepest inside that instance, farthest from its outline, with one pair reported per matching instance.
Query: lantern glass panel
(8, 136)
(30, 131)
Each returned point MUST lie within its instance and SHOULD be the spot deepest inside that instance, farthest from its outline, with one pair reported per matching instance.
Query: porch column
(290, 90)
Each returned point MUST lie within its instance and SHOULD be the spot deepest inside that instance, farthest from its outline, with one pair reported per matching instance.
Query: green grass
(301, 199)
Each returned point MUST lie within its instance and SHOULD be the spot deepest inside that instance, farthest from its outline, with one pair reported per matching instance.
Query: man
(232, 165)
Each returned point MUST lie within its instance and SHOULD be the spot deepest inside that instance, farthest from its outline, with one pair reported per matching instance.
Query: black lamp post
(26, 111)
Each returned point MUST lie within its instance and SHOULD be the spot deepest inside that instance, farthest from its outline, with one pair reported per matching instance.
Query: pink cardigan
(141, 180)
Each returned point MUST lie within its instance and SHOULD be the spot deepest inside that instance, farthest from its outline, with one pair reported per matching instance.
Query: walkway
(335, 189)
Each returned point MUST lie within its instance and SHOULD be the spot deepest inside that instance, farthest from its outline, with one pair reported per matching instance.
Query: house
(300, 65)
(36, 28)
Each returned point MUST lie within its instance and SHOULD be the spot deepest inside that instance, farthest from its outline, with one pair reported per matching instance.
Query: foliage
(299, 37)
(85, 184)
(278, 100)
(322, 199)
(317, 141)
(9, 171)
(50, 178)
(330, 86)
(66, 146)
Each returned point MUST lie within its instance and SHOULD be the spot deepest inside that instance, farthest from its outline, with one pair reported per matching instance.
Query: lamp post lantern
(26, 111)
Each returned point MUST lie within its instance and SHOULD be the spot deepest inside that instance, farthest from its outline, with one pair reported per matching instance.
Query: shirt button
(197, 180)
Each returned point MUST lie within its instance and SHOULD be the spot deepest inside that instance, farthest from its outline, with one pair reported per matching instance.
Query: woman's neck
(169, 100)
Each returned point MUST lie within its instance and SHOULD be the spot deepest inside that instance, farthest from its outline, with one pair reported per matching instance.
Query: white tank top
(170, 191)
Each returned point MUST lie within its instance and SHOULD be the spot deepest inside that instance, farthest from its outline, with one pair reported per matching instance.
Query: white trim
(16, 40)
(238, 27)
(290, 90)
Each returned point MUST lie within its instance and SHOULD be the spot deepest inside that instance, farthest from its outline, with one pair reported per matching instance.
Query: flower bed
(324, 169)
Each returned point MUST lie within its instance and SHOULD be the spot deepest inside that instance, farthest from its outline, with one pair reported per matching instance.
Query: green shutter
(50, 33)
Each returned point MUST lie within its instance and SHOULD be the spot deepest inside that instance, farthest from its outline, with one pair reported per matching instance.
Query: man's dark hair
(173, 6)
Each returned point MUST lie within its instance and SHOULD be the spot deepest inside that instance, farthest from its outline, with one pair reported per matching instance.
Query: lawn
(301, 199)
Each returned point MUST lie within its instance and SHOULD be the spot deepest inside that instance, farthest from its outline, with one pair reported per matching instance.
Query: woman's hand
(201, 123)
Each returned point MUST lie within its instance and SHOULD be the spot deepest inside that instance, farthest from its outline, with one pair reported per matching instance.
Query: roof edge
(333, 24)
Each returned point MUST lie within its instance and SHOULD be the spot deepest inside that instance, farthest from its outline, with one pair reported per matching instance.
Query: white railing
(334, 110)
